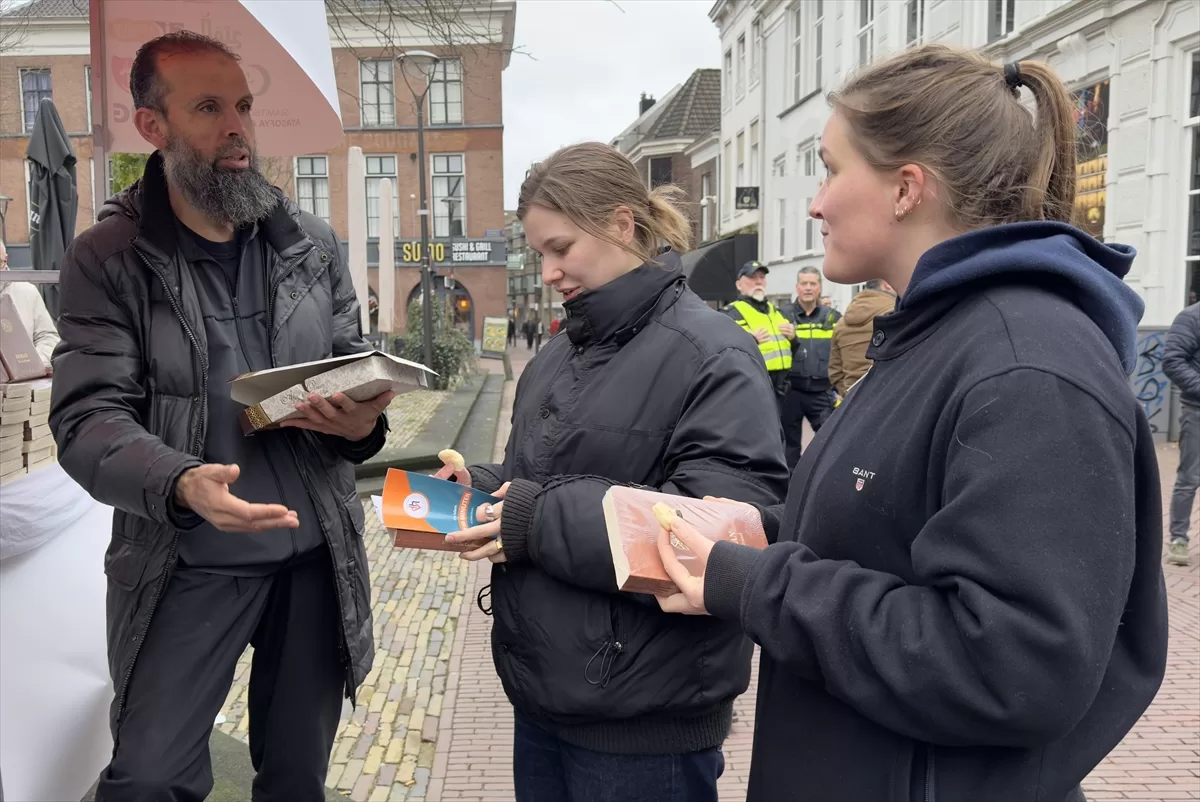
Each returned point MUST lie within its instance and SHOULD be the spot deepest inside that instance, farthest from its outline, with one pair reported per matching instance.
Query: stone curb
(442, 431)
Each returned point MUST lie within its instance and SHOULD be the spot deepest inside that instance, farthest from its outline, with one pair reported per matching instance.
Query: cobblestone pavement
(408, 414)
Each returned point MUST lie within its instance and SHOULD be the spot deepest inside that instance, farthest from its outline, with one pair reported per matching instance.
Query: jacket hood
(1094, 270)
(867, 305)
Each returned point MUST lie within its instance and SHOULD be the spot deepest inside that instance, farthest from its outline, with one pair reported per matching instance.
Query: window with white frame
(449, 195)
(779, 166)
(781, 205)
(312, 185)
(706, 209)
(87, 93)
(806, 164)
(755, 49)
(741, 66)
(1001, 18)
(1192, 132)
(741, 158)
(798, 47)
(381, 167)
(866, 31)
(914, 22)
(727, 171)
(377, 92)
(728, 87)
(754, 154)
(660, 171)
(446, 93)
(35, 87)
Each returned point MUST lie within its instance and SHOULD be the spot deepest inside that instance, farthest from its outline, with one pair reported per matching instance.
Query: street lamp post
(425, 62)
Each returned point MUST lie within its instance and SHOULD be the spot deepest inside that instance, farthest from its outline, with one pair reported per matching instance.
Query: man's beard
(232, 197)
(758, 294)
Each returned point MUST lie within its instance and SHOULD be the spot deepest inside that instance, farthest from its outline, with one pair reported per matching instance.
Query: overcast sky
(585, 63)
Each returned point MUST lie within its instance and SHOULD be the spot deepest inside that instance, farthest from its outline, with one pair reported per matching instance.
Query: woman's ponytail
(667, 223)
(1051, 191)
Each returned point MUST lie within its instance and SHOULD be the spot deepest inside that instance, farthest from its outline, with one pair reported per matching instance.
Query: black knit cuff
(770, 522)
(359, 451)
(516, 520)
(483, 480)
(725, 577)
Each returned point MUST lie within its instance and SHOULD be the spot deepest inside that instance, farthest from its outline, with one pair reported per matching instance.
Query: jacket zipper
(929, 769)
(197, 440)
(237, 324)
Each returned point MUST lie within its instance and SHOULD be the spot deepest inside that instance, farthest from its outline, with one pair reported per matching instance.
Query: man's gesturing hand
(340, 416)
(205, 491)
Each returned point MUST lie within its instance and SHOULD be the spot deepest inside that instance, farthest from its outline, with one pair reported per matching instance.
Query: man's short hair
(874, 284)
(809, 270)
(145, 84)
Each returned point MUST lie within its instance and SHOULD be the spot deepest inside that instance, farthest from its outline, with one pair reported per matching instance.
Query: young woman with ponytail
(616, 701)
(965, 597)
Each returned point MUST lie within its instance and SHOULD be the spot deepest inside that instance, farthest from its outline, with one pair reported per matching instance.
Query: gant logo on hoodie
(863, 477)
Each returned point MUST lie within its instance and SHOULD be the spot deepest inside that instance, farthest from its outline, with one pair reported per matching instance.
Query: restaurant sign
(455, 252)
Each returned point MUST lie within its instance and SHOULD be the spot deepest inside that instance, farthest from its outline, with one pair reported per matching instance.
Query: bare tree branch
(14, 26)
(376, 29)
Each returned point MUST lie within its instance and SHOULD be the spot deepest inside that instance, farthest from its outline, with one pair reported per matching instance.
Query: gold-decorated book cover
(633, 532)
(271, 396)
(21, 360)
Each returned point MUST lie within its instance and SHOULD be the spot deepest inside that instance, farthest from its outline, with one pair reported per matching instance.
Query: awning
(711, 269)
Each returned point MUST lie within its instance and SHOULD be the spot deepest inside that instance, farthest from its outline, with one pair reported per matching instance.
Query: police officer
(754, 313)
(810, 393)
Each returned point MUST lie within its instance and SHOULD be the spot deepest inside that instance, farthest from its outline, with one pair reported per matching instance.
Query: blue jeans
(547, 769)
(1187, 479)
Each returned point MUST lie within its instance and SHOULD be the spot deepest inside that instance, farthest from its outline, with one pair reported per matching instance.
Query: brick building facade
(463, 143)
(660, 141)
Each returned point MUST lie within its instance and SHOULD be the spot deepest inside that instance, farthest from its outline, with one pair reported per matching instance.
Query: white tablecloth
(54, 683)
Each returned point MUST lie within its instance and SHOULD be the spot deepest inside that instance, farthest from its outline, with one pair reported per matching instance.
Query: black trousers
(815, 405)
(185, 669)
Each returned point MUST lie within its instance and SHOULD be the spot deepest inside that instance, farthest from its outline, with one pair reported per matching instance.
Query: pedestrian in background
(965, 600)
(615, 701)
(1181, 363)
(848, 360)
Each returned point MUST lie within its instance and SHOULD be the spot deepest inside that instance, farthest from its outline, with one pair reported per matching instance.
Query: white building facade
(743, 114)
(1134, 66)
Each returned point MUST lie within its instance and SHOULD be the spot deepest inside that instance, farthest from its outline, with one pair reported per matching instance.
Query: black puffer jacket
(128, 409)
(1181, 357)
(649, 387)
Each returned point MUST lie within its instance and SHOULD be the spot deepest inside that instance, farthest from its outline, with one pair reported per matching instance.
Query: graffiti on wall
(1151, 385)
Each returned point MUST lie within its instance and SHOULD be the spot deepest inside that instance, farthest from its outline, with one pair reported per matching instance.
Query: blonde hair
(588, 182)
(960, 117)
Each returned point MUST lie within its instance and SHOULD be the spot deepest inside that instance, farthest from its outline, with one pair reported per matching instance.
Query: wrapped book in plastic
(634, 528)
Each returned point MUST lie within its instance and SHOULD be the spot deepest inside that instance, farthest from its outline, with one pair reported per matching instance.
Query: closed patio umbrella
(54, 196)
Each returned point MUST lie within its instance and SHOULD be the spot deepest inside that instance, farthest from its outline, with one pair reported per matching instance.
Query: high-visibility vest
(777, 350)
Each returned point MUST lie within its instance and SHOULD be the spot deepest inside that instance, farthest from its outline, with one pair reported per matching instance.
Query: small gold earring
(899, 215)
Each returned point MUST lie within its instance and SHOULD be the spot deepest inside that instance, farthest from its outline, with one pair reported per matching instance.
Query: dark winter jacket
(810, 347)
(1181, 357)
(129, 409)
(966, 602)
(649, 387)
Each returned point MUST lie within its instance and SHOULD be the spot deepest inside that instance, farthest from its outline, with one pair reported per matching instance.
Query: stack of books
(25, 440)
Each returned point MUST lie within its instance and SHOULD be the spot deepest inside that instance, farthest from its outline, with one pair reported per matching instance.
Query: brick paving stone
(408, 415)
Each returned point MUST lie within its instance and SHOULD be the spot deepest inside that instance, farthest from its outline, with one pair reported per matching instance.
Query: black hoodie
(966, 600)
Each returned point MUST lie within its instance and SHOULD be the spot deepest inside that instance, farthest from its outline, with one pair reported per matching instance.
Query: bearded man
(766, 324)
(197, 273)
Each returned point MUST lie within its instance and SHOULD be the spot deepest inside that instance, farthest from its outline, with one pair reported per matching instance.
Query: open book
(633, 532)
(271, 395)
